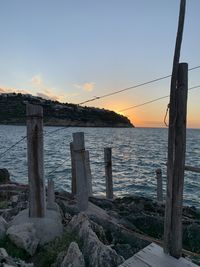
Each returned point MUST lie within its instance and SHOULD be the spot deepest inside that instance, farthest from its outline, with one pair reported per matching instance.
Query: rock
(124, 250)
(3, 227)
(4, 176)
(3, 253)
(47, 228)
(95, 252)
(191, 237)
(7, 261)
(24, 236)
(74, 257)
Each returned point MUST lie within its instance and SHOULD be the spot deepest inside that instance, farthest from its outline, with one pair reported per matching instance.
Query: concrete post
(159, 185)
(81, 175)
(37, 203)
(108, 172)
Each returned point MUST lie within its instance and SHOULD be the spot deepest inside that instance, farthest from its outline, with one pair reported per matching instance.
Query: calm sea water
(137, 153)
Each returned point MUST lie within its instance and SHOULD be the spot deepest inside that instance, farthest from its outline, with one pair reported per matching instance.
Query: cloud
(37, 80)
(12, 90)
(47, 94)
(88, 86)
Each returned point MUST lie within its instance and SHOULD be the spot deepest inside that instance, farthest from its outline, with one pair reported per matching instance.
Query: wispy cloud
(37, 80)
(88, 86)
(5, 90)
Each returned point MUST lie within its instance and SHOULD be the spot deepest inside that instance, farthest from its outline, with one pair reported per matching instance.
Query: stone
(47, 229)
(7, 261)
(24, 236)
(95, 252)
(4, 176)
(124, 250)
(3, 227)
(74, 257)
(191, 237)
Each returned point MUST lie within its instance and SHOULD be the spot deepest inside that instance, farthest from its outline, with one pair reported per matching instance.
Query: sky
(75, 50)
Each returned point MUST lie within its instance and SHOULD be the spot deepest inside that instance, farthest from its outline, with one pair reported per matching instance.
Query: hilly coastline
(13, 111)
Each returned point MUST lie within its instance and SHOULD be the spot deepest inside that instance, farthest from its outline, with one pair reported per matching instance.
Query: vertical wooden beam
(108, 172)
(37, 203)
(171, 131)
(179, 160)
(88, 172)
(81, 175)
(159, 185)
(73, 170)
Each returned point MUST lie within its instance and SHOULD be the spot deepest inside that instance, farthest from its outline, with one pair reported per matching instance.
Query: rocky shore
(108, 233)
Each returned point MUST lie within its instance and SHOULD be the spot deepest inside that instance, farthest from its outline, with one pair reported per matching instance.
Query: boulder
(7, 261)
(191, 237)
(47, 228)
(4, 176)
(24, 236)
(3, 227)
(95, 252)
(74, 257)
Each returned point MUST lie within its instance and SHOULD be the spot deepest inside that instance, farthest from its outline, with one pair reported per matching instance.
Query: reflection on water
(137, 153)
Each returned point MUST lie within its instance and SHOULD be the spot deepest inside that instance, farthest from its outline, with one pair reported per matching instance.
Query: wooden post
(50, 194)
(81, 175)
(159, 185)
(73, 170)
(37, 203)
(88, 172)
(171, 132)
(108, 172)
(179, 160)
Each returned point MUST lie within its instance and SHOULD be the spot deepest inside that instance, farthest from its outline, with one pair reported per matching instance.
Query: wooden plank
(153, 256)
(192, 169)
(171, 132)
(73, 170)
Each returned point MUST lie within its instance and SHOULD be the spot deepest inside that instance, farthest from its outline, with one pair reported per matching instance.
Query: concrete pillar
(81, 175)
(37, 203)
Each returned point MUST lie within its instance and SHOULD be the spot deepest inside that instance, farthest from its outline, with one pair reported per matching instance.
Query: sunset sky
(74, 50)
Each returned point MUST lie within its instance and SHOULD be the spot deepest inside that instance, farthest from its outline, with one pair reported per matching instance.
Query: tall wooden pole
(171, 132)
(108, 172)
(37, 202)
(179, 161)
(73, 170)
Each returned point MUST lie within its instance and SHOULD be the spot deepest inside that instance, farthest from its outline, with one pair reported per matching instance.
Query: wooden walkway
(153, 256)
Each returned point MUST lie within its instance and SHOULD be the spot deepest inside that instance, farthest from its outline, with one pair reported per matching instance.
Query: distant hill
(13, 111)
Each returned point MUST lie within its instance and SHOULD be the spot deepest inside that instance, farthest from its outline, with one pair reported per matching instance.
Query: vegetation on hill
(13, 111)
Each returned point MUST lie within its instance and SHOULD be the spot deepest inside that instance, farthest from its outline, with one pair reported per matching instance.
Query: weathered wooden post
(88, 172)
(37, 203)
(50, 195)
(73, 169)
(171, 135)
(179, 160)
(108, 172)
(159, 185)
(81, 175)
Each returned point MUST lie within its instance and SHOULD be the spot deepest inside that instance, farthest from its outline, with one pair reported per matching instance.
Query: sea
(136, 154)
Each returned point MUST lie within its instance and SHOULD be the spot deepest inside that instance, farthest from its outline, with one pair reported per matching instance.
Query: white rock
(47, 229)
(3, 227)
(74, 257)
(3, 253)
(24, 236)
(97, 254)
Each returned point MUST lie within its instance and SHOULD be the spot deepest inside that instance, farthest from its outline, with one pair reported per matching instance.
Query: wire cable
(154, 100)
(132, 87)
